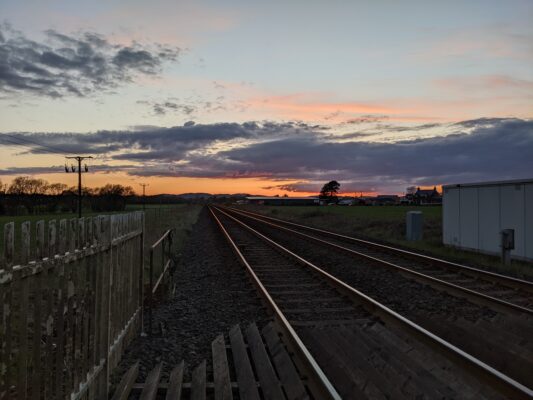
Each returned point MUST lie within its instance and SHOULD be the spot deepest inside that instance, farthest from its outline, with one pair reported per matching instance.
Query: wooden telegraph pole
(80, 159)
(144, 193)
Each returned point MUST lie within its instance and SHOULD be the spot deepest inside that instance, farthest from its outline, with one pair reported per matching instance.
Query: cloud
(159, 144)
(74, 65)
(54, 169)
(288, 152)
(189, 107)
(501, 150)
(366, 119)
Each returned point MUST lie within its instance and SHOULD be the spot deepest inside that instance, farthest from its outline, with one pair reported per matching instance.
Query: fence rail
(160, 262)
(71, 302)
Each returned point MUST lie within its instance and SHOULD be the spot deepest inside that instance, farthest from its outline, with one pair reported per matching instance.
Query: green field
(387, 224)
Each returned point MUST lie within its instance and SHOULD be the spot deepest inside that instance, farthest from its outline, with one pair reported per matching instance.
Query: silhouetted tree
(56, 189)
(329, 191)
(27, 185)
(112, 197)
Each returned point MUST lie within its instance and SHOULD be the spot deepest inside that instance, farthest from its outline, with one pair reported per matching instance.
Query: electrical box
(414, 225)
(507, 239)
(476, 216)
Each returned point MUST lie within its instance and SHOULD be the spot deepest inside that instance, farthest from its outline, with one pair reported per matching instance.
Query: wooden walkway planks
(221, 375)
(175, 382)
(267, 376)
(245, 374)
(258, 363)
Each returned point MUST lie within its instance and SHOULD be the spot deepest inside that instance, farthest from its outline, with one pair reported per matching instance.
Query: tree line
(27, 195)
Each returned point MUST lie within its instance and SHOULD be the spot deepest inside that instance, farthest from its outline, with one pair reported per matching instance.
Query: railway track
(504, 293)
(347, 343)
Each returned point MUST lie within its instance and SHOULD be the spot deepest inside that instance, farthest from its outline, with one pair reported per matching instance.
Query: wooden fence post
(141, 272)
(73, 235)
(81, 233)
(39, 240)
(106, 266)
(52, 242)
(9, 245)
(25, 233)
(62, 236)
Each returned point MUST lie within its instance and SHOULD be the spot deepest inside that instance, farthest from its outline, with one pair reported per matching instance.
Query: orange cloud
(296, 107)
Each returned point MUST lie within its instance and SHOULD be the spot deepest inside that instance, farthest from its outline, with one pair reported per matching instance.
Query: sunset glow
(267, 98)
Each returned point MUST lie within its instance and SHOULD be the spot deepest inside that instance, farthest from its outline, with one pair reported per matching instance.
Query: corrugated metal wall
(473, 217)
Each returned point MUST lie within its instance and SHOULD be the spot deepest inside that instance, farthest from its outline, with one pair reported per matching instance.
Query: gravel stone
(213, 293)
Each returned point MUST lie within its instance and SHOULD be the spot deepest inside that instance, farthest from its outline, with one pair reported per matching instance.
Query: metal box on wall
(474, 215)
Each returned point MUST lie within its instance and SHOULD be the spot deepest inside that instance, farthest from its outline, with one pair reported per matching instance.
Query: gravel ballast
(213, 293)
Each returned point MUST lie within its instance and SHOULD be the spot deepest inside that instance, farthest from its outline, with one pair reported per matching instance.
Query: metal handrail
(165, 243)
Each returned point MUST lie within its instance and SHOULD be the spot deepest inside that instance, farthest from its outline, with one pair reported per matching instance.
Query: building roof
(490, 183)
(426, 191)
(279, 198)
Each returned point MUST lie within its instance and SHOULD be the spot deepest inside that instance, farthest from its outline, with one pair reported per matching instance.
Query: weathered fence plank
(73, 235)
(9, 245)
(52, 234)
(62, 236)
(25, 238)
(36, 344)
(22, 331)
(69, 306)
(39, 240)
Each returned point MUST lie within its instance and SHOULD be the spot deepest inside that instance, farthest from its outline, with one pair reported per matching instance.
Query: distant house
(427, 196)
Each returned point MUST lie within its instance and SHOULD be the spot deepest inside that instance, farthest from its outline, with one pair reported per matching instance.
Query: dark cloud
(366, 119)
(53, 169)
(500, 151)
(158, 144)
(76, 65)
(482, 122)
(187, 107)
(169, 106)
(475, 151)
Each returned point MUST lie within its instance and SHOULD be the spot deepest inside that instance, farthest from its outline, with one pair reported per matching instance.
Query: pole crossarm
(79, 159)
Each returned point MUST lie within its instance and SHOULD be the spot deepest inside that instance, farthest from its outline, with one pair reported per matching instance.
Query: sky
(269, 97)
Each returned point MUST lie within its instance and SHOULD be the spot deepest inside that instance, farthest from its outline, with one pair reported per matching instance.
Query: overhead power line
(44, 147)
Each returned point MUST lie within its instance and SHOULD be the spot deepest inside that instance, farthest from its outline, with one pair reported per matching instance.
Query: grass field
(387, 224)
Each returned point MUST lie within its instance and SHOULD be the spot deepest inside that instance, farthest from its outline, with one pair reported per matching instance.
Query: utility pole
(144, 193)
(80, 159)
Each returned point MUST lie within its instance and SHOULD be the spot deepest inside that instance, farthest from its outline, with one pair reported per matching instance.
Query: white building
(474, 215)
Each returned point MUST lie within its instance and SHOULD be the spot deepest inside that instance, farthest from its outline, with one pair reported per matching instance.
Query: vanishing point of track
(347, 340)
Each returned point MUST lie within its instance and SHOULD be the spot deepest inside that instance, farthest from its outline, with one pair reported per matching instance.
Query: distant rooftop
(491, 183)
(279, 197)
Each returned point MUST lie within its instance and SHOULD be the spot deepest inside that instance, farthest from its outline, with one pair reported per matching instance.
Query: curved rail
(489, 375)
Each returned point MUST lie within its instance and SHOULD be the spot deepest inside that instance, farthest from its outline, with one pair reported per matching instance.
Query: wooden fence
(71, 297)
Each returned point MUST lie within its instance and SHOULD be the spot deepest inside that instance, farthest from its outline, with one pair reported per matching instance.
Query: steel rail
(451, 288)
(471, 271)
(321, 383)
(484, 372)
